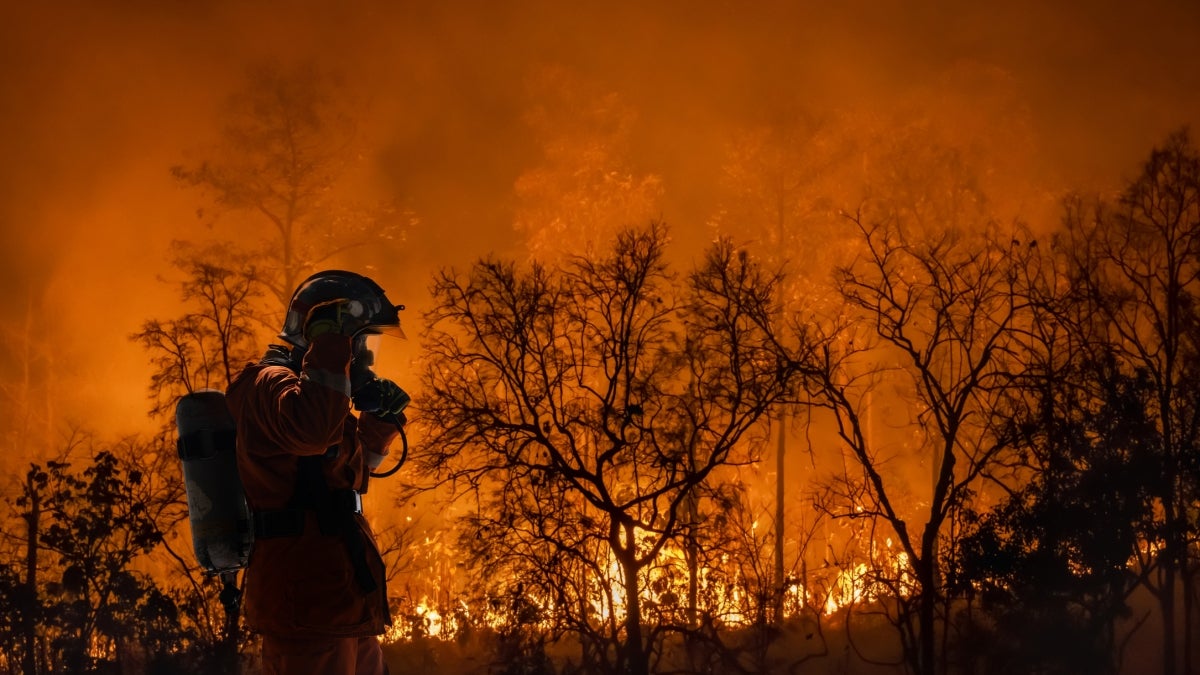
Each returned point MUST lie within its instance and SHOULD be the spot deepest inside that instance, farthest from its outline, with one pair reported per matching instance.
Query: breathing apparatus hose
(403, 454)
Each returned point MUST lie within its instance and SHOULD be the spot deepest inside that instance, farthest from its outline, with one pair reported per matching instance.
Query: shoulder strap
(280, 355)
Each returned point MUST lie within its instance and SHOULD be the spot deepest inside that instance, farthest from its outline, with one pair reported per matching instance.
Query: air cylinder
(217, 510)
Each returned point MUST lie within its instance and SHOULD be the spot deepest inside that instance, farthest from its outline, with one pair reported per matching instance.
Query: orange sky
(98, 99)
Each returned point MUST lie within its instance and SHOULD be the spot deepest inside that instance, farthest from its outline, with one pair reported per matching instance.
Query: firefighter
(314, 585)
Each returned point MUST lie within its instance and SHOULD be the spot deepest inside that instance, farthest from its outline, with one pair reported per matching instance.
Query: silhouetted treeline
(91, 582)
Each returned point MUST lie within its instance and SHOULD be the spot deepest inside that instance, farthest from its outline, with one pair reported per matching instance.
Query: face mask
(362, 361)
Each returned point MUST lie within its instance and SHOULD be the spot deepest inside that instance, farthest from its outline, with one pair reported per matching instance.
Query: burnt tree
(940, 314)
(586, 405)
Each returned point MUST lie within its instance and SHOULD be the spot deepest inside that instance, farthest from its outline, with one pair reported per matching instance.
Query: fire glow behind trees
(530, 131)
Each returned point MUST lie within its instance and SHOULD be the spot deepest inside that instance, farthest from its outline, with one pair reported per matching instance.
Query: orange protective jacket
(305, 585)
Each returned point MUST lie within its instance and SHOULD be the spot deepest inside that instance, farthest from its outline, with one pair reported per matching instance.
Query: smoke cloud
(100, 99)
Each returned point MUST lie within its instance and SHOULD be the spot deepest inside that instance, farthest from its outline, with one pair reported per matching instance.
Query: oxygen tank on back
(217, 509)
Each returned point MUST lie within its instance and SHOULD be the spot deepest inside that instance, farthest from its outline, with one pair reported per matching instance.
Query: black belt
(334, 509)
(289, 522)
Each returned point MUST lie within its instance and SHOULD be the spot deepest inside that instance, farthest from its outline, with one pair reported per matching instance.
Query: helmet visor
(372, 357)
(394, 331)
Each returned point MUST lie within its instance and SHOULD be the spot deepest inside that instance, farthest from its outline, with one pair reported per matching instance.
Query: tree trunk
(29, 620)
(637, 661)
(1168, 616)
(781, 448)
(1174, 560)
(691, 555)
(1189, 612)
(926, 608)
(780, 453)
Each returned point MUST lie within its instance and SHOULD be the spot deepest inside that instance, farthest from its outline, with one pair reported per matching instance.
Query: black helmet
(368, 304)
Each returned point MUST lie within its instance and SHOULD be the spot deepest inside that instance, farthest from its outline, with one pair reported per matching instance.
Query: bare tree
(586, 405)
(776, 187)
(207, 345)
(27, 386)
(940, 313)
(286, 143)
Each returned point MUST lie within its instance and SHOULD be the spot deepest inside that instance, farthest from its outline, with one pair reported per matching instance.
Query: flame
(832, 588)
(424, 620)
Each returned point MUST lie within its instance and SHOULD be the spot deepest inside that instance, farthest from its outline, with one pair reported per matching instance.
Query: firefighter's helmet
(368, 305)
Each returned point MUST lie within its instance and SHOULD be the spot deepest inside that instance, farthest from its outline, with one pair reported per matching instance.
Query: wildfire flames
(437, 607)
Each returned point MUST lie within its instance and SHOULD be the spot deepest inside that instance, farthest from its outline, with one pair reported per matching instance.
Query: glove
(382, 397)
(361, 361)
(334, 316)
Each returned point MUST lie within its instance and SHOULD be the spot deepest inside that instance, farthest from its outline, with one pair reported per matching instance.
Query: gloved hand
(334, 316)
(382, 397)
(362, 360)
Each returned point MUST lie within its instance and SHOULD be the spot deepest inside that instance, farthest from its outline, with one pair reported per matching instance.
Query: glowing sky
(98, 99)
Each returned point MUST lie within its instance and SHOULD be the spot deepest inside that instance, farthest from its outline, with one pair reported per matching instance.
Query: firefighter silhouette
(314, 585)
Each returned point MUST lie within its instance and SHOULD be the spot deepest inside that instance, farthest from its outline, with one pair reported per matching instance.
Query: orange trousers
(322, 656)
